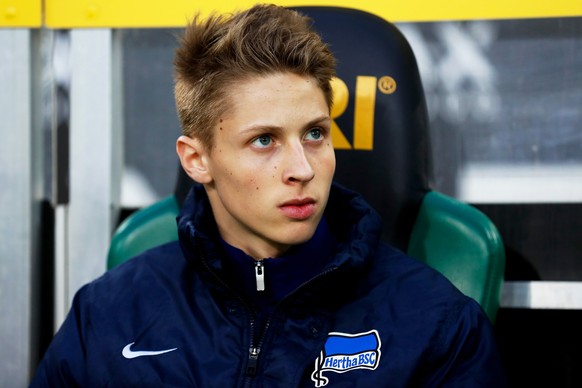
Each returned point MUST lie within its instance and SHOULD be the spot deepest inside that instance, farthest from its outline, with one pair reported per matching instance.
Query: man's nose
(298, 168)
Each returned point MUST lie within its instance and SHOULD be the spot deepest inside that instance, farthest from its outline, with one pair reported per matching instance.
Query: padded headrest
(391, 169)
(385, 156)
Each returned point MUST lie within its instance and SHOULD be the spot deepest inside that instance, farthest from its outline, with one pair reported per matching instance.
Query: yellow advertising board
(20, 13)
(175, 13)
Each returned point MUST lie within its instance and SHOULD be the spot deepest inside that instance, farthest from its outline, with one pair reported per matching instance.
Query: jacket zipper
(253, 360)
(254, 351)
(253, 357)
(252, 363)
(260, 275)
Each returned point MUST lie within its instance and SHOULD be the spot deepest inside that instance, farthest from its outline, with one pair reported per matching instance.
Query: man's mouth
(299, 209)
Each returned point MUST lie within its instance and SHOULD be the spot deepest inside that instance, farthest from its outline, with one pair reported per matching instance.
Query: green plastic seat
(146, 228)
(454, 238)
(463, 244)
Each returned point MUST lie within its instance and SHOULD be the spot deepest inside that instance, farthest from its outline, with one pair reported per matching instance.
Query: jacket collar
(354, 224)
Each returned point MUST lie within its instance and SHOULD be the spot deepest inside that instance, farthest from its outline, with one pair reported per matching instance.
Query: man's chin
(299, 235)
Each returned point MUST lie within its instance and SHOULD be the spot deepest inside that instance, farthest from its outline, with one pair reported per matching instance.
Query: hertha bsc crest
(345, 352)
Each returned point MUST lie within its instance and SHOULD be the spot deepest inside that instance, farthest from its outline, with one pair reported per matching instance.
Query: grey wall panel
(19, 209)
(95, 146)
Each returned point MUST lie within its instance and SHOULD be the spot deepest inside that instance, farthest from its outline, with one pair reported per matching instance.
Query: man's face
(272, 164)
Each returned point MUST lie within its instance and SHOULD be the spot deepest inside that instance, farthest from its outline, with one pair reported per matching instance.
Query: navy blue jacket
(370, 317)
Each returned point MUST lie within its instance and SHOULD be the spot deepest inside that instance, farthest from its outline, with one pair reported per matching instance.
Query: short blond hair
(221, 50)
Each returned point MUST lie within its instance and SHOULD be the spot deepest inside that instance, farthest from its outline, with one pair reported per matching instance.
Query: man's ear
(194, 159)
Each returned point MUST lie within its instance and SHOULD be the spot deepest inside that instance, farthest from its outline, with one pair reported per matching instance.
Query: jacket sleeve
(469, 356)
(63, 363)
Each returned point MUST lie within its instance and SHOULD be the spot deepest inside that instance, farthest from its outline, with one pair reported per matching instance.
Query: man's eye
(314, 134)
(263, 141)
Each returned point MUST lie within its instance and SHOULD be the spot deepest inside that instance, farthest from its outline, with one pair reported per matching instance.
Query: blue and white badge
(345, 352)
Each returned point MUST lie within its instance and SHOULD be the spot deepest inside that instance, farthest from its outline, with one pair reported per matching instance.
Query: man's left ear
(193, 158)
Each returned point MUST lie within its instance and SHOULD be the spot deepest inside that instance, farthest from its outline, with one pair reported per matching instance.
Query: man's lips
(299, 209)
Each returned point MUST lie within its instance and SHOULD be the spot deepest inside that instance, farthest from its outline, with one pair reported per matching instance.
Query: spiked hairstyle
(217, 52)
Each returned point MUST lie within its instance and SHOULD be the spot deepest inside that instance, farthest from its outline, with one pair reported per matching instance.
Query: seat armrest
(146, 228)
(445, 226)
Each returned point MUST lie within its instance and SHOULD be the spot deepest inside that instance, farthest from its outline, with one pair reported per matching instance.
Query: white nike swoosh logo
(128, 353)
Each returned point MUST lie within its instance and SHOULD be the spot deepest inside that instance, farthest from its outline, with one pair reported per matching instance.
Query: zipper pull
(253, 360)
(260, 275)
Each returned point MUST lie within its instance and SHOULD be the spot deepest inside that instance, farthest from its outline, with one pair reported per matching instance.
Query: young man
(279, 278)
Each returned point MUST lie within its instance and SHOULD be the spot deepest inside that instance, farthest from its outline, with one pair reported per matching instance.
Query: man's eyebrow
(320, 120)
(274, 128)
(260, 128)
